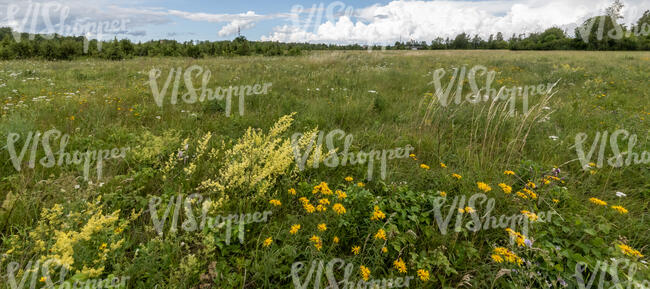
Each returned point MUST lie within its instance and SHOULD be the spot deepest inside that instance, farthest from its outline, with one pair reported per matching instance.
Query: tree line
(597, 33)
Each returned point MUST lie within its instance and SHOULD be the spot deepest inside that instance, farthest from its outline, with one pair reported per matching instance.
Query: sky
(342, 22)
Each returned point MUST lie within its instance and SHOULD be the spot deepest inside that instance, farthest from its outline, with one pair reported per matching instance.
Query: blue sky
(352, 21)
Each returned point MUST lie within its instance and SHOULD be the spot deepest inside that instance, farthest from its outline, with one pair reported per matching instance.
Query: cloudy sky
(364, 22)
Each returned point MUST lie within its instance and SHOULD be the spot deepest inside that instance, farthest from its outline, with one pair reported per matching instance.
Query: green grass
(597, 91)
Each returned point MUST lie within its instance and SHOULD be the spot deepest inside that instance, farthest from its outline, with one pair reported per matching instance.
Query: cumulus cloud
(426, 20)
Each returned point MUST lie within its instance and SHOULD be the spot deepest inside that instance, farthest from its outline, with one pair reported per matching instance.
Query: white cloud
(426, 20)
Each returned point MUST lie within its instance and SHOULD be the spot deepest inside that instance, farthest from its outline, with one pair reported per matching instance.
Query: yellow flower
(469, 210)
(103, 246)
(442, 165)
(309, 208)
(423, 274)
(531, 185)
(381, 234)
(506, 189)
(461, 210)
(620, 209)
(335, 240)
(457, 176)
(356, 250)
(506, 255)
(377, 214)
(412, 155)
(509, 173)
(519, 238)
(304, 200)
(321, 208)
(71, 117)
(522, 195)
(627, 250)
(322, 227)
(530, 193)
(484, 187)
(349, 179)
(324, 201)
(317, 242)
(276, 203)
(531, 216)
(268, 242)
(399, 265)
(322, 188)
(424, 166)
(365, 272)
(294, 229)
(497, 258)
(384, 250)
(43, 279)
(556, 201)
(443, 194)
(292, 191)
(341, 194)
(598, 201)
(361, 185)
(339, 209)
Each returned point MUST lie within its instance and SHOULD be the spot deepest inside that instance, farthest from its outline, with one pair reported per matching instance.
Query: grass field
(103, 228)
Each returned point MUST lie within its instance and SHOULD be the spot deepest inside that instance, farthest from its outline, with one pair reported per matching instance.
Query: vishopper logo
(481, 219)
(39, 275)
(484, 93)
(194, 203)
(31, 145)
(37, 18)
(587, 33)
(617, 158)
(192, 95)
(319, 14)
(317, 267)
(608, 274)
(332, 160)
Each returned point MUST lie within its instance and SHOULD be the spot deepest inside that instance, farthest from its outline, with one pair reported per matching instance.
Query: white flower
(372, 91)
(553, 137)
(157, 117)
(77, 186)
(620, 194)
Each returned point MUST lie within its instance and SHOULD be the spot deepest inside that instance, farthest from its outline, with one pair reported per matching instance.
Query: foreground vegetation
(100, 228)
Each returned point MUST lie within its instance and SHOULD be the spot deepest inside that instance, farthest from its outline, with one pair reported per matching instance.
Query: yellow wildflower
(377, 214)
(317, 242)
(335, 240)
(322, 227)
(294, 229)
(509, 173)
(620, 209)
(484, 187)
(522, 195)
(339, 209)
(627, 250)
(497, 258)
(384, 250)
(457, 176)
(381, 234)
(267, 242)
(324, 201)
(309, 208)
(443, 194)
(506, 189)
(276, 203)
(321, 208)
(365, 272)
(356, 250)
(424, 166)
(442, 165)
(341, 194)
(423, 274)
(598, 201)
(361, 185)
(292, 191)
(349, 179)
(399, 265)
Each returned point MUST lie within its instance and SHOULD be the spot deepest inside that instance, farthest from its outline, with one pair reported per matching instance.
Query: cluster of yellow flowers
(322, 188)
(506, 189)
(276, 203)
(318, 243)
(518, 237)
(365, 272)
(377, 214)
(531, 216)
(457, 176)
(484, 187)
(468, 210)
(294, 229)
(627, 250)
(501, 254)
(381, 235)
(399, 265)
(598, 201)
(620, 209)
(423, 274)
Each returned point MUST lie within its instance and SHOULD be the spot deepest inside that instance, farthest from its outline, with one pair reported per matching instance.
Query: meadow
(208, 199)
